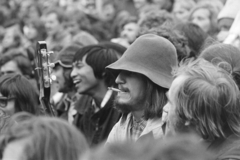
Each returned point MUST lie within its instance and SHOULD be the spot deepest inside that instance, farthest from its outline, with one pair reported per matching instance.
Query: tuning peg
(50, 52)
(51, 65)
(53, 77)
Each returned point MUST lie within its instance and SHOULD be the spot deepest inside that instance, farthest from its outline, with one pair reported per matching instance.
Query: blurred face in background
(224, 26)
(72, 27)
(10, 67)
(52, 24)
(166, 4)
(201, 17)
(30, 32)
(89, 6)
(8, 39)
(181, 13)
(130, 32)
(108, 12)
(60, 79)
(139, 4)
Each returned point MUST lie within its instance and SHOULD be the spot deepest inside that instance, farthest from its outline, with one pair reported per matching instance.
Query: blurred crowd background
(84, 22)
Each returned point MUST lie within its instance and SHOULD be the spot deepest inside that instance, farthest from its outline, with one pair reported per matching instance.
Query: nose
(194, 21)
(120, 78)
(73, 73)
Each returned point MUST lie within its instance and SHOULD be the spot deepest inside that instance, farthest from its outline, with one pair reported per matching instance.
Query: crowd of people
(130, 80)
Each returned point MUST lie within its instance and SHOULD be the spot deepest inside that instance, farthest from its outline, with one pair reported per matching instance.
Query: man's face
(181, 13)
(84, 78)
(133, 87)
(52, 24)
(138, 4)
(201, 17)
(60, 79)
(72, 27)
(130, 32)
(10, 67)
(172, 120)
(224, 26)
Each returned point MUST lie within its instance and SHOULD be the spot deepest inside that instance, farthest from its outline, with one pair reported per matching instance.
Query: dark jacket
(97, 126)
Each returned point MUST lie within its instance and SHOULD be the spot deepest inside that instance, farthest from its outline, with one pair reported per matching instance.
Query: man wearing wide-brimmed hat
(143, 78)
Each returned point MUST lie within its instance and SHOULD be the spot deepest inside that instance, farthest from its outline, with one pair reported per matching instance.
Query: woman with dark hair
(17, 94)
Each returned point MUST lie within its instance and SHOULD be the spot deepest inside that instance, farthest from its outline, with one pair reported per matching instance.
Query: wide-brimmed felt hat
(152, 56)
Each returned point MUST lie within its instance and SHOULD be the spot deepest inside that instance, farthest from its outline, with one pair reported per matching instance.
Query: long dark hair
(26, 97)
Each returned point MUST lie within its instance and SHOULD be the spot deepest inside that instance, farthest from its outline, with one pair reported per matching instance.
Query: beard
(134, 105)
(176, 127)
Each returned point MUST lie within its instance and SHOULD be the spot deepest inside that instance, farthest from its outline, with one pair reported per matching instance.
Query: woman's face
(8, 39)
(7, 104)
(30, 32)
(201, 17)
(181, 13)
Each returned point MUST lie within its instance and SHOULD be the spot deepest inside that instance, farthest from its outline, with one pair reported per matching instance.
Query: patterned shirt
(137, 127)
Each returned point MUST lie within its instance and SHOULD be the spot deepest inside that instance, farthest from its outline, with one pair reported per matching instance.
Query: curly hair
(178, 40)
(155, 18)
(227, 53)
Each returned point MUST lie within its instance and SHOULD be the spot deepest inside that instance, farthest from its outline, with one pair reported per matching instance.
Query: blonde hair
(209, 99)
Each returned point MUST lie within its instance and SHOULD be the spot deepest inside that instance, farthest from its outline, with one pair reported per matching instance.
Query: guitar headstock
(43, 65)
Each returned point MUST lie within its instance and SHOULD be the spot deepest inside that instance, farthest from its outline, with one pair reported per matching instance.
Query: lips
(76, 81)
(123, 89)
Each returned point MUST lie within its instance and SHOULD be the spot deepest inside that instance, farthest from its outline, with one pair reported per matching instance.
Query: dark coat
(97, 126)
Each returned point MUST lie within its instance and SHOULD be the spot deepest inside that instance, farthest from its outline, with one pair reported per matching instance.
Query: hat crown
(151, 49)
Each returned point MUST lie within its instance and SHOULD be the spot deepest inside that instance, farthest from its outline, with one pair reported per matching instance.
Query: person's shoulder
(230, 149)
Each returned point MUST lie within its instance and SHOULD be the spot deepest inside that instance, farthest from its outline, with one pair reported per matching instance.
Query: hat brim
(158, 77)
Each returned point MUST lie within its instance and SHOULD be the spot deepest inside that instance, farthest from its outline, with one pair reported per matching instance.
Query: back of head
(46, 138)
(183, 147)
(115, 46)
(208, 99)
(227, 53)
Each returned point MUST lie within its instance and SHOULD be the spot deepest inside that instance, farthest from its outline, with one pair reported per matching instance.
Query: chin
(125, 106)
